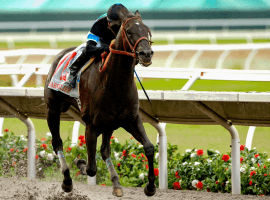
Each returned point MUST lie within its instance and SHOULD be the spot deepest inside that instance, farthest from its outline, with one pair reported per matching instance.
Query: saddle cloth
(61, 71)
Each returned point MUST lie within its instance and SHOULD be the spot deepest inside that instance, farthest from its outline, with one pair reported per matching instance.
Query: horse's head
(135, 35)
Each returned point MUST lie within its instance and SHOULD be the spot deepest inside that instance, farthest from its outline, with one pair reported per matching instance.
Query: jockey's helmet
(112, 14)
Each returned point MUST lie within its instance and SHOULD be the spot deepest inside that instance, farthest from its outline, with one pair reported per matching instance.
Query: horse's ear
(137, 14)
(122, 17)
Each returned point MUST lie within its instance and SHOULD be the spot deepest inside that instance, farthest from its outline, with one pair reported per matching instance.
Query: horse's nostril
(142, 53)
(146, 53)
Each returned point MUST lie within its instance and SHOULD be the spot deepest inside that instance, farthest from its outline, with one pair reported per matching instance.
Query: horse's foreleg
(106, 155)
(53, 120)
(136, 129)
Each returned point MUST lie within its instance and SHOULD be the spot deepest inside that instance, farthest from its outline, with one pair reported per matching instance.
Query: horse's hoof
(117, 191)
(79, 162)
(67, 185)
(149, 193)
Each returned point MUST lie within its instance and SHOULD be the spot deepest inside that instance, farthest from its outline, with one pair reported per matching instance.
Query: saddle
(62, 69)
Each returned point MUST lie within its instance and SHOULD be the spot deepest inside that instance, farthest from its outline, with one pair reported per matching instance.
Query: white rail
(174, 49)
(169, 36)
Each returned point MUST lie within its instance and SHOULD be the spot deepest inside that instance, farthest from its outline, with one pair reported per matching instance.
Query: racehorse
(109, 100)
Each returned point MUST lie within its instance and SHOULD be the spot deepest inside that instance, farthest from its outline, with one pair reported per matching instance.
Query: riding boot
(74, 69)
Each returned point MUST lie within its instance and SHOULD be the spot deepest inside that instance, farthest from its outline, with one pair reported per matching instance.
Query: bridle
(133, 52)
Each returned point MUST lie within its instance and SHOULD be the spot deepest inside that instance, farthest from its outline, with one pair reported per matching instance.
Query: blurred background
(47, 24)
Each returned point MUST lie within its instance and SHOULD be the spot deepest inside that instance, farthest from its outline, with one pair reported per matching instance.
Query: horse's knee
(91, 171)
(149, 150)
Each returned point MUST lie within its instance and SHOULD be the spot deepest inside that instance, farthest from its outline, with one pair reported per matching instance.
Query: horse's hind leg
(136, 129)
(53, 120)
(91, 135)
(106, 154)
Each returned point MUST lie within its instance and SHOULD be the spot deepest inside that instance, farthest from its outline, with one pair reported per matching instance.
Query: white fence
(169, 36)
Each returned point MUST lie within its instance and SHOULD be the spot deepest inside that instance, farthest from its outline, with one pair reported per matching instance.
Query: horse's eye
(128, 32)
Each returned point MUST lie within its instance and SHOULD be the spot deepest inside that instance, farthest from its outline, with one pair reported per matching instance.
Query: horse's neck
(121, 73)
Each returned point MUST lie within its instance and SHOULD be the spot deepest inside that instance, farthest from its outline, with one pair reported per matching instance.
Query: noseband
(125, 38)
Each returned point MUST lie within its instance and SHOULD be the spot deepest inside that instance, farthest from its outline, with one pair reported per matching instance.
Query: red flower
(199, 185)
(44, 146)
(11, 150)
(131, 137)
(176, 175)
(176, 186)
(200, 152)
(17, 150)
(103, 184)
(252, 173)
(146, 166)
(241, 159)
(133, 155)
(250, 182)
(81, 137)
(139, 157)
(208, 190)
(156, 171)
(118, 165)
(225, 158)
(112, 137)
(80, 144)
(258, 164)
(265, 174)
(256, 155)
(83, 141)
(142, 155)
(13, 164)
(6, 130)
(216, 182)
(69, 149)
(124, 153)
(25, 150)
(264, 166)
(242, 147)
(43, 139)
(36, 157)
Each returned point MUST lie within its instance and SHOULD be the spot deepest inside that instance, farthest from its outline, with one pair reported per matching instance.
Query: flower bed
(192, 170)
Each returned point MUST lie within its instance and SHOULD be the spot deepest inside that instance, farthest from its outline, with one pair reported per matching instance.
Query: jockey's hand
(106, 48)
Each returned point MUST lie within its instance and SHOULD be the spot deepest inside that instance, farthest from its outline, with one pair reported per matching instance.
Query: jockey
(103, 31)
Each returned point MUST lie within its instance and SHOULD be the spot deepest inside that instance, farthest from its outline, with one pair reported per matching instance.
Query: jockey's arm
(92, 50)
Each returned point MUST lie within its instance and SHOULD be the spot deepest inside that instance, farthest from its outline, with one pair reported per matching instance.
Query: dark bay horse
(109, 100)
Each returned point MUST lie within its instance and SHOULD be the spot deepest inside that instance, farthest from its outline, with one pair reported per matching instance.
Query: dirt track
(21, 189)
